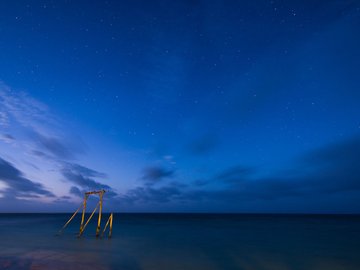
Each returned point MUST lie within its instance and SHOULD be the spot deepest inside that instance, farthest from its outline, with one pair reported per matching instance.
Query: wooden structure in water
(83, 224)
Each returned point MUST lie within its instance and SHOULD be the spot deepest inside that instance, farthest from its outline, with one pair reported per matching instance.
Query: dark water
(182, 241)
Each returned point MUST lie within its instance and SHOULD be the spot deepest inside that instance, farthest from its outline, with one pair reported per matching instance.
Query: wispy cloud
(83, 177)
(34, 135)
(333, 170)
(149, 195)
(56, 147)
(4, 119)
(7, 138)
(235, 174)
(21, 108)
(19, 186)
(155, 174)
(76, 191)
(203, 145)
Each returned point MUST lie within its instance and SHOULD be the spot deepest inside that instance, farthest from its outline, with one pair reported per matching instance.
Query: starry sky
(180, 106)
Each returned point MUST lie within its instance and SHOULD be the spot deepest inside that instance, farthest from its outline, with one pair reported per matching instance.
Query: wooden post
(83, 214)
(60, 232)
(87, 222)
(111, 221)
(100, 210)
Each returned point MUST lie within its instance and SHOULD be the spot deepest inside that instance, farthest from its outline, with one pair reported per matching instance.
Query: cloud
(156, 174)
(235, 174)
(83, 178)
(86, 171)
(40, 154)
(44, 131)
(7, 138)
(43, 137)
(334, 168)
(203, 145)
(331, 169)
(148, 194)
(4, 119)
(53, 146)
(76, 191)
(18, 185)
(23, 109)
(329, 172)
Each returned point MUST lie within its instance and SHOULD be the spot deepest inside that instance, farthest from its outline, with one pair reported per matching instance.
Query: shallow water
(182, 241)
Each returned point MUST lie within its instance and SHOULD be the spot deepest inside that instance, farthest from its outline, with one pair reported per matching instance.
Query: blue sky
(210, 106)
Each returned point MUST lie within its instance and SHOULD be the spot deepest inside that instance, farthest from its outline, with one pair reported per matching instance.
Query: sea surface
(182, 241)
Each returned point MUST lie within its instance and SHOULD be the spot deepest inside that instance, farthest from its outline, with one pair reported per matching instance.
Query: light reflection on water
(151, 241)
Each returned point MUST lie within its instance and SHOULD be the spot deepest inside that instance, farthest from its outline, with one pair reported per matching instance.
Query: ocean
(182, 241)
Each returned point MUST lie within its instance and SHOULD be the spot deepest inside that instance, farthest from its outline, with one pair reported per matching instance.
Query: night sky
(180, 106)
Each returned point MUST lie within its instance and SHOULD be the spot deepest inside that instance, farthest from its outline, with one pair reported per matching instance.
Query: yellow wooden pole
(60, 232)
(111, 221)
(99, 217)
(83, 214)
(107, 223)
(87, 222)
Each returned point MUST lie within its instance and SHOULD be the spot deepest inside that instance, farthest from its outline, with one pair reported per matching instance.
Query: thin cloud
(86, 171)
(23, 109)
(75, 191)
(41, 135)
(83, 178)
(203, 145)
(333, 170)
(147, 194)
(54, 146)
(7, 138)
(156, 174)
(18, 185)
(4, 119)
(235, 174)
(43, 131)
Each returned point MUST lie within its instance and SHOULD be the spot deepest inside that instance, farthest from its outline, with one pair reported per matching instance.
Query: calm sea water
(182, 241)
